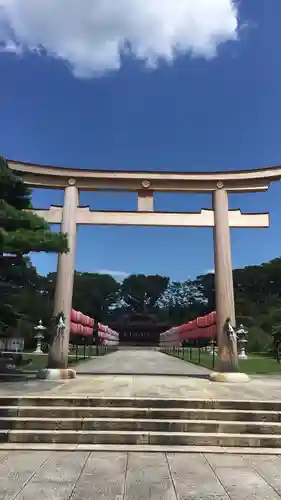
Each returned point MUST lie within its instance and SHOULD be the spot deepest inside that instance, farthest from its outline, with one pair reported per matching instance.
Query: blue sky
(197, 112)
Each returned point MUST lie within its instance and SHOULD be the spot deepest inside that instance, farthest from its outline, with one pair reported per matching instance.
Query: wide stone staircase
(139, 421)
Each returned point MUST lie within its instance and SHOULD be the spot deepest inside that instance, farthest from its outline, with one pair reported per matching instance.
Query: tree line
(27, 297)
(257, 299)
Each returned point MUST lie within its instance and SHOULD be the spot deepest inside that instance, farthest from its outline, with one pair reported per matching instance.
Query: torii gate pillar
(225, 307)
(58, 353)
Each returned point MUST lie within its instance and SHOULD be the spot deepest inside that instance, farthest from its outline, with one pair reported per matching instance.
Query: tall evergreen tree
(21, 232)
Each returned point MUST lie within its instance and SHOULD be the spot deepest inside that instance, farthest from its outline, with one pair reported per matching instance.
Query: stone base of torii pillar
(230, 377)
(56, 374)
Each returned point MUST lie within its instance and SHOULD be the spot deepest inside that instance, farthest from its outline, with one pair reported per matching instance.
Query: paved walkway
(140, 362)
(138, 476)
(164, 386)
(146, 374)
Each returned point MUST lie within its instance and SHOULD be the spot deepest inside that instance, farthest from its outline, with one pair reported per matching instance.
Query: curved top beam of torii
(90, 180)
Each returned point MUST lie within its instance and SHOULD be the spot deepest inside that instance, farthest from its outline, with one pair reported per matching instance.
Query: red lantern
(73, 327)
(88, 331)
(74, 316)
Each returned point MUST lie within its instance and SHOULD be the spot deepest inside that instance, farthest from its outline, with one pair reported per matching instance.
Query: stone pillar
(58, 354)
(223, 280)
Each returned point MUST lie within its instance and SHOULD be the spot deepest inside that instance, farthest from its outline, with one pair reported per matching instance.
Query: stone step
(143, 448)
(76, 401)
(152, 422)
(117, 424)
(58, 412)
(142, 438)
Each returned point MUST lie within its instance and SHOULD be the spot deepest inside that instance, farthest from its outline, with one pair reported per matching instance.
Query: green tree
(93, 294)
(205, 285)
(140, 293)
(21, 232)
(258, 340)
(181, 302)
(24, 295)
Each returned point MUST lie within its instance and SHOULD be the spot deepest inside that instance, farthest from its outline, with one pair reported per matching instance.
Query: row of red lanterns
(81, 319)
(83, 325)
(203, 327)
(84, 331)
(200, 322)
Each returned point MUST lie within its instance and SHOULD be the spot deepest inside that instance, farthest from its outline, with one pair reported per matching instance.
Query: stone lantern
(213, 350)
(242, 339)
(39, 335)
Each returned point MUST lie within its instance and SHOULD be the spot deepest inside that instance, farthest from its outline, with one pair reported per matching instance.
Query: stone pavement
(137, 476)
(146, 374)
(141, 362)
(258, 388)
(118, 475)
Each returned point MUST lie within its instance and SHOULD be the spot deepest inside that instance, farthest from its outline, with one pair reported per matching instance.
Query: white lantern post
(242, 334)
(39, 335)
(212, 350)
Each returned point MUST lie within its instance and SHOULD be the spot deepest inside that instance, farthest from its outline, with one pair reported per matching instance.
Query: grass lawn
(255, 364)
(39, 361)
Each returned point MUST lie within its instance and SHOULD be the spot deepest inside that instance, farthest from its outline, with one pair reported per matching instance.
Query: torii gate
(145, 184)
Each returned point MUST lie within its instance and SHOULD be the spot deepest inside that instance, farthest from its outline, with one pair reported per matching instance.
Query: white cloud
(91, 34)
(119, 275)
(210, 271)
